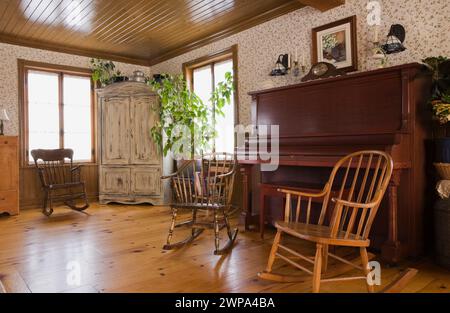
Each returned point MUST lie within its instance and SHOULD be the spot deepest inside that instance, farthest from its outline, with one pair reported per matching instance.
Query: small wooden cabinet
(9, 180)
(130, 165)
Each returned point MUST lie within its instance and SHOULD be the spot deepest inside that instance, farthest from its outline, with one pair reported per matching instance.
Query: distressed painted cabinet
(130, 165)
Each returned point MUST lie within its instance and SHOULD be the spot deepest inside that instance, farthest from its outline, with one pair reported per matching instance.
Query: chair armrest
(76, 168)
(182, 167)
(306, 194)
(42, 176)
(75, 173)
(354, 204)
(169, 176)
(226, 174)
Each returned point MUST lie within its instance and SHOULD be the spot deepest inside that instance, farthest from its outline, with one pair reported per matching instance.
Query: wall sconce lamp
(395, 39)
(281, 66)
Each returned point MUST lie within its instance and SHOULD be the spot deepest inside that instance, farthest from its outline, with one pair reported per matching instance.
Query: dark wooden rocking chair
(363, 178)
(206, 187)
(60, 180)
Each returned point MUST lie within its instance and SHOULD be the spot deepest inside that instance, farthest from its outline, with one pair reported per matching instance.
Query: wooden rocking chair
(363, 177)
(60, 180)
(205, 187)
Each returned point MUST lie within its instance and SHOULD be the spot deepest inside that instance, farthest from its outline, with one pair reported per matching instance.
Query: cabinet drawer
(115, 181)
(9, 201)
(8, 141)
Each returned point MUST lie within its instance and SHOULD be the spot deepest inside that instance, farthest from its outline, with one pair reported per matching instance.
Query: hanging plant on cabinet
(104, 71)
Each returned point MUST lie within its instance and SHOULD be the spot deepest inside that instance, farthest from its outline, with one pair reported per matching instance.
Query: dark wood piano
(320, 121)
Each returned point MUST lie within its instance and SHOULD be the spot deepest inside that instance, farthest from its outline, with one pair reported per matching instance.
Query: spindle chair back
(59, 178)
(53, 165)
(361, 179)
(204, 185)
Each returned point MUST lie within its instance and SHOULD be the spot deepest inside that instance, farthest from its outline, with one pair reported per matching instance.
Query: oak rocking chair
(206, 186)
(60, 180)
(363, 178)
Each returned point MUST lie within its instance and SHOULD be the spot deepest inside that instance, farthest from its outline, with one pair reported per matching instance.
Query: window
(57, 110)
(203, 75)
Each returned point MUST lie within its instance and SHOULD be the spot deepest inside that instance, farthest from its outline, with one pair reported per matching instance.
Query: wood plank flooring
(118, 249)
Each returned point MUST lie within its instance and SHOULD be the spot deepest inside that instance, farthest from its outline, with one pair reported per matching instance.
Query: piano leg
(246, 214)
(391, 249)
(262, 212)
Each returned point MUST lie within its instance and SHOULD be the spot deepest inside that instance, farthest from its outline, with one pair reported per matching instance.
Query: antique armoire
(130, 165)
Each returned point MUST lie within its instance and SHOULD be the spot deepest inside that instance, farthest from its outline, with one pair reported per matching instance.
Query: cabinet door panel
(115, 130)
(146, 181)
(8, 166)
(143, 117)
(115, 181)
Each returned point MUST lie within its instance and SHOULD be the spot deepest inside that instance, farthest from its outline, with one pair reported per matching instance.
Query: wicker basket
(443, 170)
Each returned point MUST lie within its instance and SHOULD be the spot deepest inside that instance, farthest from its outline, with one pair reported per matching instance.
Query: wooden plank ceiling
(135, 31)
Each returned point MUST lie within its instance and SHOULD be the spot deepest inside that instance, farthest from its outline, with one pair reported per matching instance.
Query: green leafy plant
(440, 92)
(103, 71)
(222, 94)
(186, 124)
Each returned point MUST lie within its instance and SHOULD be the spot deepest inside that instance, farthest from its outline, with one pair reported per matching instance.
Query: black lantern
(281, 66)
(395, 39)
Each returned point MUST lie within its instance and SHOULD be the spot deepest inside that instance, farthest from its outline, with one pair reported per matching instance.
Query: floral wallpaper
(9, 86)
(426, 22)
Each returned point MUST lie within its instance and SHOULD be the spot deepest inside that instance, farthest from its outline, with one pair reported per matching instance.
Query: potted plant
(440, 102)
(104, 72)
(186, 124)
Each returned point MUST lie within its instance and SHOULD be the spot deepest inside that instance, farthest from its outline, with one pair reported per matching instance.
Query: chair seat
(320, 234)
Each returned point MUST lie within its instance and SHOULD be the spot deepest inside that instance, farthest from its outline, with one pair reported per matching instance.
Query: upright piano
(322, 120)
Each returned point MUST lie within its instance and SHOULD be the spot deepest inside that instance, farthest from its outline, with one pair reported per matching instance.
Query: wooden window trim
(210, 60)
(23, 67)
(216, 57)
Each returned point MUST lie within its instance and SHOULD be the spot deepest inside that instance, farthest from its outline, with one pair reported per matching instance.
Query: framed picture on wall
(336, 43)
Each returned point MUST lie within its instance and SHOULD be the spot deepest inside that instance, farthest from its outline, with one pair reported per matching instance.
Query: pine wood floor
(118, 249)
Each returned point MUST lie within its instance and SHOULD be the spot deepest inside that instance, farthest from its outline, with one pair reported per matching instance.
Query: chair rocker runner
(205, 187)
(60, 180)
(363, 178)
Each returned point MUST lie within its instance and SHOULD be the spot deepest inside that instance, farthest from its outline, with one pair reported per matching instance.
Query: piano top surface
(311, 161)
(413, 65)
